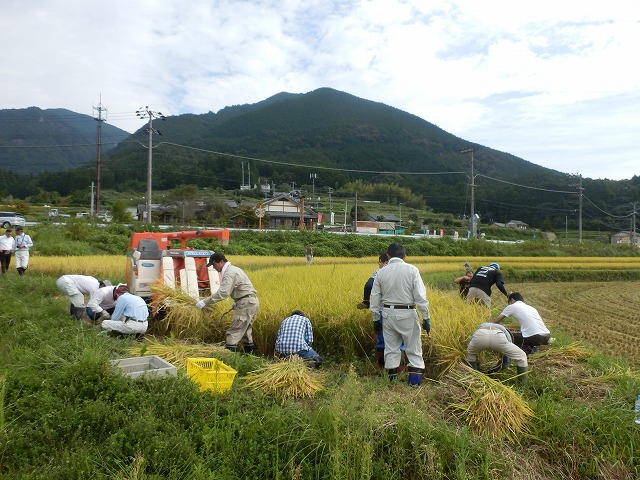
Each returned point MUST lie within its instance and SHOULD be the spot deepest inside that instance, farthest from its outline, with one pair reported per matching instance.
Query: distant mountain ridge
(340, 138)
(33, 140)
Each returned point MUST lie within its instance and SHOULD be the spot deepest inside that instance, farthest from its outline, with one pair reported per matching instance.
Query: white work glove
(105, 315)
(233, 306)
(201, 304)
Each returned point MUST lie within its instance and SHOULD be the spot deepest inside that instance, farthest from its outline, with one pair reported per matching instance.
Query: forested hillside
(337, 138)
(33, 141)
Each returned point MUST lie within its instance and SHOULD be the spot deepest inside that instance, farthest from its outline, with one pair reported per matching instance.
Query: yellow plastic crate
(210, 374)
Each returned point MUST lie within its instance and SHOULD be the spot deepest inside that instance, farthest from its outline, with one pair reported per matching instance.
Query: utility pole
(150, 114)
(355, 214)
(633, 225)
(313, 177)
(473, 194)
(91, 199)
(580, 189)
(100, 109)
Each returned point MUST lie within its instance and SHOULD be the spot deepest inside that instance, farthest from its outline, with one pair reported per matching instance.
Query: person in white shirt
(399, 293)
(533, 331)
(23, 244)
(75, 287)
(101, 304)
(7, 246)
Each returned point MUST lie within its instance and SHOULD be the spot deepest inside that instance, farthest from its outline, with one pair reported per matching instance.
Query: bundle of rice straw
(490, 407)
(176, 352)
(290, 378)
(179, 316)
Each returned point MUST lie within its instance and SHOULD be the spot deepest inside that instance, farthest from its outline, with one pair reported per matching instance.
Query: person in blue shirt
(130, 313)
(295, 337)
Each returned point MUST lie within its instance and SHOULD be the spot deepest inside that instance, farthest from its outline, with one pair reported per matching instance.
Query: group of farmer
(110, 307)
(395, 294)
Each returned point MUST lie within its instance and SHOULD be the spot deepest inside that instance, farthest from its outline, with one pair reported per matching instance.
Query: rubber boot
(20, 271)
(415, 376)
(522, 375)
(248, 348)
(232, 348)
(78, 313)
(393, 374)
(380, 357)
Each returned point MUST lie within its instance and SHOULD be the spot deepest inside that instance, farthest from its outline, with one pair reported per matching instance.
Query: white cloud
(555, 83)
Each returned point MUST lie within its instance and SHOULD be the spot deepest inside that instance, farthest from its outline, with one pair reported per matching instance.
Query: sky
(554, 82)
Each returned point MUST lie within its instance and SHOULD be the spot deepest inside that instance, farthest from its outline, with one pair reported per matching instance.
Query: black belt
(129, 319)
(399, 307)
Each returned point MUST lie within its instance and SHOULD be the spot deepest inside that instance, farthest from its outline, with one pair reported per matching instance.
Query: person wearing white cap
(481, 283)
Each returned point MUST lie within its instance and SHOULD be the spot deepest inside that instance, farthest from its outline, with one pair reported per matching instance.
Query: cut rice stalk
(290, 378)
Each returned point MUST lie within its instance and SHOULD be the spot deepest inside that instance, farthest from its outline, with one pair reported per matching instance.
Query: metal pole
(149, 168)
(473, 195)
(580, 214)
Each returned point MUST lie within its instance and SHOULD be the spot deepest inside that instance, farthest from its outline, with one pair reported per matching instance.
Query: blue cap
(494, 265)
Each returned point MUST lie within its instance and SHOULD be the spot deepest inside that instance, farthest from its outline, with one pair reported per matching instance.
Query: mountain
(67, 140)
(326, 139)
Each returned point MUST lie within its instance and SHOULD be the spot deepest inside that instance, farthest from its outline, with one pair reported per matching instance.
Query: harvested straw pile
(176, 351)
(490, 407)
(289, 378)
(179, 316)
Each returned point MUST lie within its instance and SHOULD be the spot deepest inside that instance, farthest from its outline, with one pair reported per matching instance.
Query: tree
(119, 212)
(186, 199)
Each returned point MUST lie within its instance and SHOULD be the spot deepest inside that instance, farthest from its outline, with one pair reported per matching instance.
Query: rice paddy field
(603, 315)
(282, 420)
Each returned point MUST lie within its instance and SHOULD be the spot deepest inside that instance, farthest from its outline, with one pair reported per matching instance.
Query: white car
(9, 219)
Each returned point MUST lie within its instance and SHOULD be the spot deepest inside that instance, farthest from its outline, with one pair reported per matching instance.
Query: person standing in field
(464, 281)
(7, 246)
(377, 318)
(398, 290)
(235, 284)
(23, 244)
(309, 254)
(533, 332)
(482, 281)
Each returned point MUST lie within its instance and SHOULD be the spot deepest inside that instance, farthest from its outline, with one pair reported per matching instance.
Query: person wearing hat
(75, 287)
(7, 247)
(235, 284)
(130, 315)
(295, 337)
(482, 281)
(533, 332)
(23, 244)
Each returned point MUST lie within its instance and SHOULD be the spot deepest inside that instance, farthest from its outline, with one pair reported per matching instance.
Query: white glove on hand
(105, 315)
(201, 304)
(233, 306)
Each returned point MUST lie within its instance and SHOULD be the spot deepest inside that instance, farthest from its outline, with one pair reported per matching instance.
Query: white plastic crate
(150, 366)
